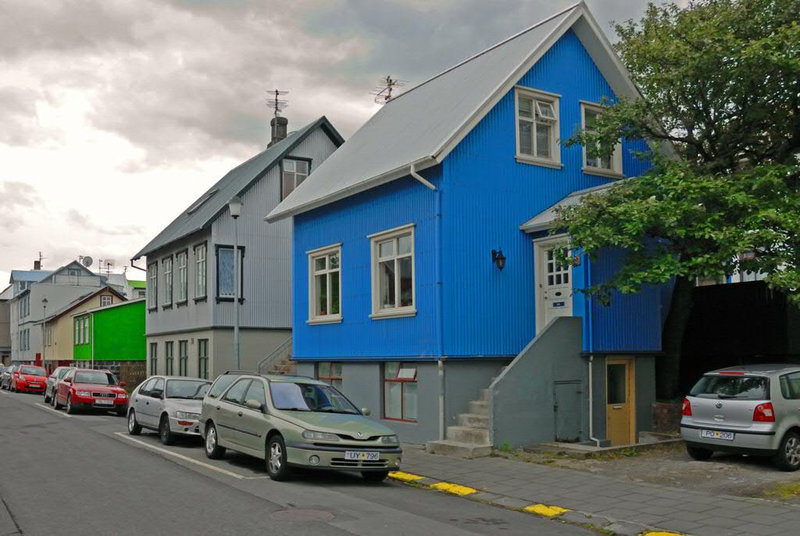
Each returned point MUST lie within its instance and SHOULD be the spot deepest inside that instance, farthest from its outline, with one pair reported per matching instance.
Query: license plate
(716, 434)
(361, 456)
(36, 385)
(103, 402)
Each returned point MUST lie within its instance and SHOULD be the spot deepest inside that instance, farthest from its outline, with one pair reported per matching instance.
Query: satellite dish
(87, 261)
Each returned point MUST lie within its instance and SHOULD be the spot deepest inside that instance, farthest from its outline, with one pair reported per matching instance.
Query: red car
(29, 378)
(91, 389)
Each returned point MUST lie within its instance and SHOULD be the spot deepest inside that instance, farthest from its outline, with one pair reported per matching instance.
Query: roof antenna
(276, 102)
(383, 93)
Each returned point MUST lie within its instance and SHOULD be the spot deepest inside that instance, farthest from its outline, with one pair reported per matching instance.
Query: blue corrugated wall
(485, 196)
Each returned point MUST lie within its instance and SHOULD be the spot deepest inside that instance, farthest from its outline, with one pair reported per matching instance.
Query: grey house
(190, 264)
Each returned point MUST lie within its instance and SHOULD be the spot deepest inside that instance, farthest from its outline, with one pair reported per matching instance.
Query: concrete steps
(470, 438)
(447, 447)
(474, 420)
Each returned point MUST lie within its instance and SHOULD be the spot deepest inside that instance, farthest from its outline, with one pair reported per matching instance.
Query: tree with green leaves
(720, 108)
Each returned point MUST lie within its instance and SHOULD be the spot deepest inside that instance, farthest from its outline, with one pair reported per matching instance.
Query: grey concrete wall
(521, 398)
(254, 345)
(463, 381)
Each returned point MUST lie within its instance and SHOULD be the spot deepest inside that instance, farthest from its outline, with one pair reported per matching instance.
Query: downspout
(589, 319)
(91, 315)
(412, 170)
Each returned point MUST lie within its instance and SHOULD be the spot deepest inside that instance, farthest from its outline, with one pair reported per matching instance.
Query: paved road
(84, 475)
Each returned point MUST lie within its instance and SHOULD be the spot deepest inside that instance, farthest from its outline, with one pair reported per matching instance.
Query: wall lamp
(498, 258)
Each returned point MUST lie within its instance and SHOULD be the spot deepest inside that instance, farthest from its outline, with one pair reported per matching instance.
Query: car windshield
(221, 384)
(32, 371)
(309, 397)
(95, 377)
(62, 373)
(738, 387)
(187, 389)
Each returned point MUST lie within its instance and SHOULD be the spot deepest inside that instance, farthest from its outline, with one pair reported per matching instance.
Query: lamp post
(235, 208)
(44, 331)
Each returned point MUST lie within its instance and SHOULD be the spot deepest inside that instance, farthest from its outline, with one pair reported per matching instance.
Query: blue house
(425, 283)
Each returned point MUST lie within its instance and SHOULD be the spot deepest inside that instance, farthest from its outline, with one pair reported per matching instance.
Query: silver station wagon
(167, 404)
(752, 409)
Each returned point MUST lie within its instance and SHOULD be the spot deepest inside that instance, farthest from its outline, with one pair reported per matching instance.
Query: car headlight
(320, 436)
(390, 440)
(122, 395)
(83, 393)
(187, 415)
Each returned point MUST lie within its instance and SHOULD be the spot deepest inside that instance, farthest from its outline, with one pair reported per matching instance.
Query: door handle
(239, 414)
(147, 403)
(217, 408)
(616, 407)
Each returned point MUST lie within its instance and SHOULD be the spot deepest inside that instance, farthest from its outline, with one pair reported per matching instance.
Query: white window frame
(152, 285)
(166, 263)
(181, 263)
(294, 172)
(312, 273)
(395, 312)
(201, 271)
(555, 141)
(106, 300)
(616, 157)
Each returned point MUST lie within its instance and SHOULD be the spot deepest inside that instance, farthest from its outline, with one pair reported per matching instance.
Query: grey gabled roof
(28, 275)
(206, 208)
(420, 127)
(544, 220)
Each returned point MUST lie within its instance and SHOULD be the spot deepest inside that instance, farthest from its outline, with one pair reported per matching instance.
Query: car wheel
(374, 476)
(213, 450)
(133, 427)
(56, 405)
(277, 468)
(698, 453)
(70, 409)
(121, 412)
(46, 397)
(788, 457)
(164, 433)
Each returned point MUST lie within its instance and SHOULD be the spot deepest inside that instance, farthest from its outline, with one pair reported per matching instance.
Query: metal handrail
(265, 363)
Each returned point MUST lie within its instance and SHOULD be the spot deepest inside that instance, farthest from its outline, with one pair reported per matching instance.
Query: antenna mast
(383, 93)
(276, 102)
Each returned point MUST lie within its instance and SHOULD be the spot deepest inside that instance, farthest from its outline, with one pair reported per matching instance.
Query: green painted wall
(118, 334)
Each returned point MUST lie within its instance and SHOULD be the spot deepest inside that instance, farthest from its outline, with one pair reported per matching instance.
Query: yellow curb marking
(405, 477)
(455, 489)
(545, 510)
(660, 533)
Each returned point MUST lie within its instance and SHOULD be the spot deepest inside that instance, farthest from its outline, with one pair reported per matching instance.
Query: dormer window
(537, 127)
(595, 164)
(293, 173)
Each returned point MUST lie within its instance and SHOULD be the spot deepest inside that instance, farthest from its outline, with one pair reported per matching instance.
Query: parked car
(50, 387)
(753, 409)
(169, 404)
(292, 422)
(5, 377)
(28, 378)
(91, 389)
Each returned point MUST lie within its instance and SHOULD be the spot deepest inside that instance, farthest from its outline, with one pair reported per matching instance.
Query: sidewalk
(616, 505)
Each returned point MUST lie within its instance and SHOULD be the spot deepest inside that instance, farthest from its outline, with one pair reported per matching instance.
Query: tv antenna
(383, 93)
(276, 102)
(108, 264)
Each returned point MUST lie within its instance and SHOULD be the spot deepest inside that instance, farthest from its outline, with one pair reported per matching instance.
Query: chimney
(279, 127)
(37, 265)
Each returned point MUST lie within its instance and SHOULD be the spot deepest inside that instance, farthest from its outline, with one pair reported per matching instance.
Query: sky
(116, 114)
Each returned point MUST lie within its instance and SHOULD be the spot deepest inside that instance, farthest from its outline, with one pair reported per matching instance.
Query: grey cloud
(86, 223)
(18, 116)
(15, 199)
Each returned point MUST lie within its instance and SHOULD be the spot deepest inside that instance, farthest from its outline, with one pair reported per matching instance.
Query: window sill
(221, 299)
(165, 307)
(398, 313)
(409, 421)
(603, 172)
(337, 319)
(201, 299)
(539, 162)
(152, 309)
(183, 303)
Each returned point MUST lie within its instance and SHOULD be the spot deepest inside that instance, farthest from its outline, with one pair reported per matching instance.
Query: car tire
(46, 397)
(374, 477)
(70, 409)
(275, 459)
(698, 453)
(134, 428)
(212, 448)
(53, 401)
(164, 433)
(121, 412)
(56, 405)
(788, 456)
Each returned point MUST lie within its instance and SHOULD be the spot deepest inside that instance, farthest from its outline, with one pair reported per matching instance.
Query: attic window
(199, 203)
(293, 173)
(537, 127)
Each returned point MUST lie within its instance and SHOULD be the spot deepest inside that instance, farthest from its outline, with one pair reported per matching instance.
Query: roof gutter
(412, 170)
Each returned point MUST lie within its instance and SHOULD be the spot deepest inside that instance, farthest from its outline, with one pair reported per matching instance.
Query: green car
(291, 421)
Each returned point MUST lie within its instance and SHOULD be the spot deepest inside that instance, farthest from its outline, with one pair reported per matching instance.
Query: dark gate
(567, 410)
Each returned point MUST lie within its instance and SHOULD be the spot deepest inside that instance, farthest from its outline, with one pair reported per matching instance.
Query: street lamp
(44, 331)
(235, 208)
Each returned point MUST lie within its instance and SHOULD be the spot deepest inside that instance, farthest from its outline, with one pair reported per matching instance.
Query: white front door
(553, 283)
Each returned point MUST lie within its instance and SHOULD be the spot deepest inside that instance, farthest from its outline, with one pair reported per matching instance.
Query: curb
(565, 515)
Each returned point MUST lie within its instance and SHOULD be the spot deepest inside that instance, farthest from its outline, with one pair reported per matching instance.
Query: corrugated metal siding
(267, 283)
(349, 222)
(489, 194)
(632, 322)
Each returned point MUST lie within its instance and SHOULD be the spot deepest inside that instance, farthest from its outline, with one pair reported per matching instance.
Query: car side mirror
(366, 412)
(122, 384)
(67, 380)
(253, 404)
(157, 394)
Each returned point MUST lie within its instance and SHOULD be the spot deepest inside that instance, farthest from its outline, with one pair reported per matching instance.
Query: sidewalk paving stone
(620, 506)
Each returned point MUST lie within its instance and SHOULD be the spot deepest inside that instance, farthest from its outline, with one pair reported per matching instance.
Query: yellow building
(59, 328)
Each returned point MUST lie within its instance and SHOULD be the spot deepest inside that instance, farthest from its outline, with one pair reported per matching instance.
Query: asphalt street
(84, 475)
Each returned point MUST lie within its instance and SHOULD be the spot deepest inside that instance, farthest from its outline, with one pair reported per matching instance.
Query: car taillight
(764, 413)
(686, 409)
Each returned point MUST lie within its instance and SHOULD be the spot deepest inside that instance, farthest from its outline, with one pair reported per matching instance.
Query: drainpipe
(92, 317)
(412, 170)
(589, 318)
